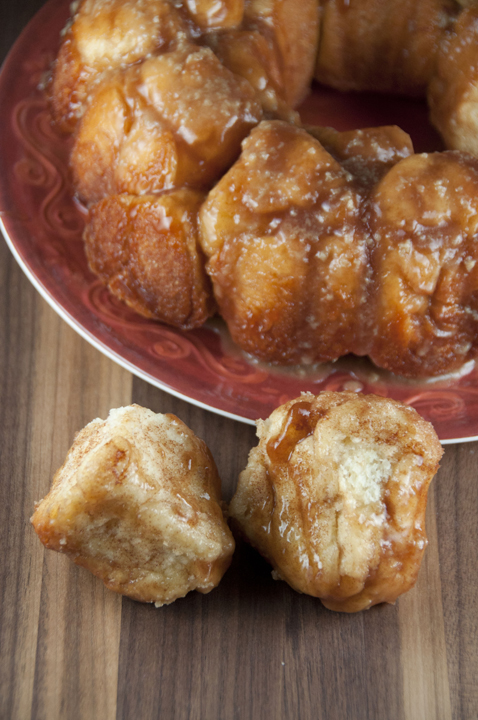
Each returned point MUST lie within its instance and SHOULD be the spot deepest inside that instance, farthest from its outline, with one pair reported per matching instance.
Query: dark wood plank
(457, 539)
(20, 561)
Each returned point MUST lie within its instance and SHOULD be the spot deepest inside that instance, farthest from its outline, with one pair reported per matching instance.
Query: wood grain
(252, 648)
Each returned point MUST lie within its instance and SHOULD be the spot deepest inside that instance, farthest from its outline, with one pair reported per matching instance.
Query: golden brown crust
(223, 14)
(294, 32)
(334, 496)
(249, 54)
(176, 119)
(381, 45)
(424, 221)
(286, 250)
(145, 249)
(105, 36)
(453, 91)
(137, 502)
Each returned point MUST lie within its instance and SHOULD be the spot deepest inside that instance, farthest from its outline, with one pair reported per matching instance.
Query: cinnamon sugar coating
(334, 496)
(367, 153)
(145, 249)
(137, 502)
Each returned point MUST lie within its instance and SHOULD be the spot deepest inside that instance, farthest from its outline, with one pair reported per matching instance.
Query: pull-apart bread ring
(334, 496)
(138, 503)
(400, 46)
(318, 243)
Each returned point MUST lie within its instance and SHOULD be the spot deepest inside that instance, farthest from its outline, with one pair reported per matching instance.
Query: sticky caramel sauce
(299, 424)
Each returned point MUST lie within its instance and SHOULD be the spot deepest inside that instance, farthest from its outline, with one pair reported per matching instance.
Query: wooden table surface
(251, 649)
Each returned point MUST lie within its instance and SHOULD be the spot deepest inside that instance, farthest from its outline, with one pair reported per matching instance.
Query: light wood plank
(426, 690)
(78, 620)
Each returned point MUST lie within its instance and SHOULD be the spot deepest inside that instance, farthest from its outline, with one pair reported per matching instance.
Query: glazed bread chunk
(137, 502)
(104, 36)
(254, 57)
(146, 250)
(286, 248)
(453, 91)
(174, 120)
(334, 496)
(293, 28)
(424, 222)
(381, 45)
(322, 243)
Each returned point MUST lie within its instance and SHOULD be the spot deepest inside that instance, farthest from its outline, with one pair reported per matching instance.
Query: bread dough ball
(294, 32)
(104, 36)
(424, 297)
(334, 496)
(381, 45)
(287, 248)
(176, 119)
(137, 502)
(145, 249)
(453, 91)
(253, 56)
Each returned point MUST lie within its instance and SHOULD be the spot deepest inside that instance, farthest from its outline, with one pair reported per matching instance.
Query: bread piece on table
(137, 502)
(334, 496)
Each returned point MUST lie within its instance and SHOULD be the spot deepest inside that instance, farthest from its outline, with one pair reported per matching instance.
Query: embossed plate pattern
(43, 225)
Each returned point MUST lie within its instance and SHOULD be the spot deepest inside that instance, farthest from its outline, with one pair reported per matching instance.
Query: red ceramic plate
(43, 226)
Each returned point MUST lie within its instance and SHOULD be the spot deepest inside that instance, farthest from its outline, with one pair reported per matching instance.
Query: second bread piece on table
(334, 496)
